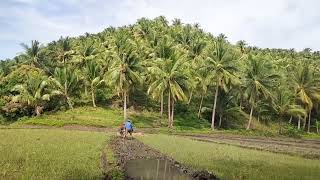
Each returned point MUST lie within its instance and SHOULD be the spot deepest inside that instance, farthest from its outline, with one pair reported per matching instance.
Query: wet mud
(134, 156)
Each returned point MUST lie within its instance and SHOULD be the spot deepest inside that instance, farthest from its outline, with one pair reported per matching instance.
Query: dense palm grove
(171, 68)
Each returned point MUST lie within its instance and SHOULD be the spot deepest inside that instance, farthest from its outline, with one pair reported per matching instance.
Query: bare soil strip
(305, 148)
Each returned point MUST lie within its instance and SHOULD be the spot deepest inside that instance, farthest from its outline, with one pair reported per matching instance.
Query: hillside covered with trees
(173, 68)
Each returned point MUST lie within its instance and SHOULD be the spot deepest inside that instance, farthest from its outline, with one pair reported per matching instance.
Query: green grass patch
(106, 117)
(86, 116)
(89, 116)
(50, 154)
(311, 136)
(231, 162)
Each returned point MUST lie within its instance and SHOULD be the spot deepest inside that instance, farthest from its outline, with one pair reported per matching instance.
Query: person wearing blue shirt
(128, 127)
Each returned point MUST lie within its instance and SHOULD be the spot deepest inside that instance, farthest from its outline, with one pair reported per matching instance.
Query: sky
(262, 23)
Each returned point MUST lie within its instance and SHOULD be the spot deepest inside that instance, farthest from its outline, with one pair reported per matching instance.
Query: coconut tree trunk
(169, 111)
(37, 110)
(85, 90)
(214, 107)
(69, 102)
(250, 118)
(199, 112)
(158, 163)
(309, 121)
(124, 105)
(161, 105)
(299, 122)
(93, 97)
(66, 94)
(317, 126)
(304, 123)
(220, 120)
(190, 98)
(172, 113)
(290, 120)
(128, 97)
(280, 128)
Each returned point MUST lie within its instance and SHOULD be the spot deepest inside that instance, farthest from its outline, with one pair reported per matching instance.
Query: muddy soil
(305, 148)
(131, 149)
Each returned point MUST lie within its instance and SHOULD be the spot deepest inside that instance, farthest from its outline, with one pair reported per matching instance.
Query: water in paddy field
(153, 169)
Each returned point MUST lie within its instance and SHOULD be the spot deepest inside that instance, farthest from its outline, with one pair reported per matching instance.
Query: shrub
(291, 131)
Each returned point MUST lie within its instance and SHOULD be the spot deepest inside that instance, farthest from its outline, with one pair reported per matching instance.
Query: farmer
(128, 127)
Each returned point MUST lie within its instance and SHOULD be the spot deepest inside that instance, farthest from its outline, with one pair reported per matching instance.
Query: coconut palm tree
(94, 77)
(259, 79)
(222, 37)
(172, 78)
(63, 50)
(307, 52)
(176, 22)
(227, 108)
(203, 81)
(125, 67)
(242, 45)
(65, 82)
(33, 93)
(283, 103)
(86, 51)
(33, 53)
(162, 49)
(222, 67)
(306, 84)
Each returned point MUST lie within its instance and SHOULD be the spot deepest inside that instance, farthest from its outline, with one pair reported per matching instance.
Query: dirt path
(305, 148)
(130, 149)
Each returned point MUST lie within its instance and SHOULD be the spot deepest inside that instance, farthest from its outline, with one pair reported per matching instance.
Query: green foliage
(19, 76)
(65, 83)
(291, 131)
(117, 174)
(177, 68)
